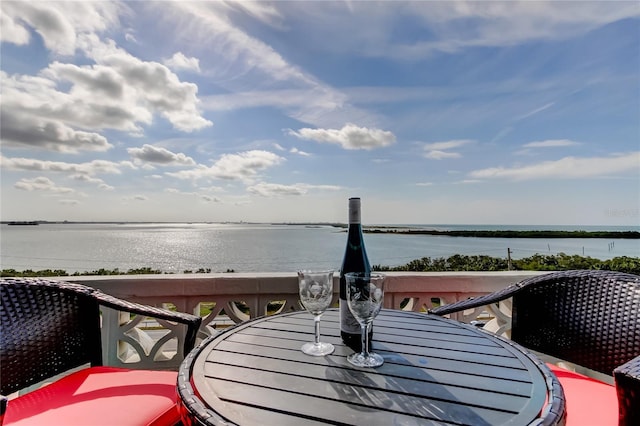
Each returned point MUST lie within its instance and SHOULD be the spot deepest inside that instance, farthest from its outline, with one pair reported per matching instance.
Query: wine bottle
(355, 260)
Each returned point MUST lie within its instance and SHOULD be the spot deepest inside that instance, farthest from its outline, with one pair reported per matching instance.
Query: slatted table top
(436, 371)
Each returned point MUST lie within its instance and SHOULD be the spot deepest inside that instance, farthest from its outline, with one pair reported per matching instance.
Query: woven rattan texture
(46, 330)
(49, 327)
(590, 318)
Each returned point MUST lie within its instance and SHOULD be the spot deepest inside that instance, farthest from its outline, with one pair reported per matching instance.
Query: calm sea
(177, 247)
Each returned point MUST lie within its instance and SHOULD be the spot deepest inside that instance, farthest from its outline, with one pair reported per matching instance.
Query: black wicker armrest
(627, 378)
(191, 321)
(487, 299)
(3, 407)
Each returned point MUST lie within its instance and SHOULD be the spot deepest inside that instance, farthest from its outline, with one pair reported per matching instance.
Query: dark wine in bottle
(355, 260)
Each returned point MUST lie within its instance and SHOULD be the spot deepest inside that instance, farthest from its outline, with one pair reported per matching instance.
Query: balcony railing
(226, 299)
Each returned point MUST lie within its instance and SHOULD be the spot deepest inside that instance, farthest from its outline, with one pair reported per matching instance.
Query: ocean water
(176, 247)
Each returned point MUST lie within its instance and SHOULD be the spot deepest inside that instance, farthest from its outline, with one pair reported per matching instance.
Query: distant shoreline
(386, 229)
(511, 234)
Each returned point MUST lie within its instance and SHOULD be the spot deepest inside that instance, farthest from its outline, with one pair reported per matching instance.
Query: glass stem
(365, 340)
(316, 320)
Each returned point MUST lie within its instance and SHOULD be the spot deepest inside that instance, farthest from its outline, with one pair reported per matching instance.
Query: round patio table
(435, 371)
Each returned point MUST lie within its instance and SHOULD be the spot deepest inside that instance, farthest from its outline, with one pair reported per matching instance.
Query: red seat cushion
(589, 401)
(100, 396)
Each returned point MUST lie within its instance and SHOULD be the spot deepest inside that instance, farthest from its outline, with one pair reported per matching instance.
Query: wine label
(348, 323)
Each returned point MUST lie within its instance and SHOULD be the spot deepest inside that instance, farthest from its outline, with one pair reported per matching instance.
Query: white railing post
(110, 326)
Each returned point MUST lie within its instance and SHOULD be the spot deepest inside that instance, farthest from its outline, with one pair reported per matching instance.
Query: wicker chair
(49, 328)
(589, 318)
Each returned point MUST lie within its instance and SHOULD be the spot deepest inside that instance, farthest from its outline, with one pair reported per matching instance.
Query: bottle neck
(354, 232)
(354, 211)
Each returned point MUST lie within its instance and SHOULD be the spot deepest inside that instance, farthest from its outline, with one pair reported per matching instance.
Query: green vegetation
(458, 262)
(537, 262)
(101, 271)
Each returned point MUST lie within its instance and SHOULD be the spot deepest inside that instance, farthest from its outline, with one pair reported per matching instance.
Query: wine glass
(365, 293)
(316, 293)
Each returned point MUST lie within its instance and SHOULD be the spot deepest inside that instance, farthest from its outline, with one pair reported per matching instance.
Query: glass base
(360, 360)
(320, 349)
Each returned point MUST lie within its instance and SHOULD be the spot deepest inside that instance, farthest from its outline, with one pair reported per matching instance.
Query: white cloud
(275, 190)
(566, 168)
(66, 104)
(205, 197)
(212, 189)
(12, 29)
(131, 38)
(486, 24)
(292, 99)
(295, 150)
(447, 144)
(238, 58)
(551, 143)
(42, 184)
(440, 155)
(151, 85)
(91, 168)
(349, 137)
(210, 199)
(535, 111)
(447, 26)
(81, 172)
(93, 180)
(159, 155)
(177, 191)
(241, 51)
(180, 62)
(242, 166)
(528, 148)
(264, 12)
(318, 104)
(69, 202)
(24, 126)
(60, 24)
(424, 184)
(106, 187)
(440, 150)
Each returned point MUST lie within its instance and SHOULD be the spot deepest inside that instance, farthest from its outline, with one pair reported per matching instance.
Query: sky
(433, 112)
